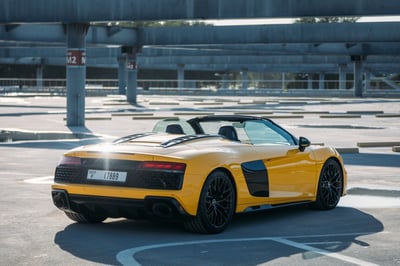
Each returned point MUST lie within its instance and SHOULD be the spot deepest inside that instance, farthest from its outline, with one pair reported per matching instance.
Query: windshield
(256, 132)
(249, 131)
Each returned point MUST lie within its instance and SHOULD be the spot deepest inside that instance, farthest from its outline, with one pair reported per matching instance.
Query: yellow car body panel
(300, 185)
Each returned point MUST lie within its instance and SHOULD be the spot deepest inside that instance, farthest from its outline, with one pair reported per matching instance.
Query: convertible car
(200, 172)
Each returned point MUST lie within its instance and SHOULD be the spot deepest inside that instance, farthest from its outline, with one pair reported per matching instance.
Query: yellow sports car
(199, 171)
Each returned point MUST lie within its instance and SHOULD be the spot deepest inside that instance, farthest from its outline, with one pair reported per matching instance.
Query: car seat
(228, 132)
(174, 129)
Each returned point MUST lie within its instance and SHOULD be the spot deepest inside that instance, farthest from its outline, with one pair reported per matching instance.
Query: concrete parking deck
(362, 230)
(358, 128)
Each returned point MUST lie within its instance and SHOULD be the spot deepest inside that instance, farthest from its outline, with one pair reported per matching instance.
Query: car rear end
(119, 185)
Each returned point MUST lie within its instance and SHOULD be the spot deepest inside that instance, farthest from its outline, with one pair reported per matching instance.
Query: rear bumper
(150, 206)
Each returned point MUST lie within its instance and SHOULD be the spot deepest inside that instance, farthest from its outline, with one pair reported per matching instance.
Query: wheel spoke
(219, 201)
(330, 184)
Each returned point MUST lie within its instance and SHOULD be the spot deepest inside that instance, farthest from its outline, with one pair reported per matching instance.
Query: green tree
(138, 24)
(327, 20)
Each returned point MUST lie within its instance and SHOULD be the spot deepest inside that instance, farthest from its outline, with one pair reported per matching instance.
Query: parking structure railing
(147, 86)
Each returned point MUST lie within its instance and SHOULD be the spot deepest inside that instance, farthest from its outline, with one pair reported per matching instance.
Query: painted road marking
(40, 180)
(126, 257)
(324, 252)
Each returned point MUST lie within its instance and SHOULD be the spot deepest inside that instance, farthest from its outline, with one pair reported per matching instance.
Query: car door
(290, 172)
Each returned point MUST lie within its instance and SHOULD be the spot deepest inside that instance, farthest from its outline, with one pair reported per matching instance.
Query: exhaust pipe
(162, 210)
(60, 200)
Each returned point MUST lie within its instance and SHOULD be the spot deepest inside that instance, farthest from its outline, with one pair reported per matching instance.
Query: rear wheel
(329, 186)
(216, 205)
(91, 218)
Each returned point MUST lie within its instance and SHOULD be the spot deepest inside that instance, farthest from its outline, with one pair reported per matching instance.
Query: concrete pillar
(321, 81)
(76, 73)
(39, 76)
(245, 81)
(131, 92)
(122, 75)
(342, 77)
(367, 81)
(283, 81)
(225, 82)
(310, 82)
(181, 76)
(358, 78)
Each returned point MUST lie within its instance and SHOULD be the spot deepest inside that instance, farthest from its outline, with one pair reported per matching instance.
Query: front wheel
(330, 186)
(216, 205)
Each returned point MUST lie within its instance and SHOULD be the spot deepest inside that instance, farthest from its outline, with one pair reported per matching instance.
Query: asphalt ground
(362, 230)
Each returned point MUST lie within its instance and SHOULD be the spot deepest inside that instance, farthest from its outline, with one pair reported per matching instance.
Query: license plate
(102, 175)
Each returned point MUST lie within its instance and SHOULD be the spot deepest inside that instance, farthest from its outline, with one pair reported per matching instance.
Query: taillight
(167, 166)
(70, 160)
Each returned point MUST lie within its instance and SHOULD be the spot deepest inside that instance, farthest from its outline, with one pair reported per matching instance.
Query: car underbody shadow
(170, 244)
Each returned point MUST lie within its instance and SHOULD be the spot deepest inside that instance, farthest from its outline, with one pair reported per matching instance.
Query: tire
(330, 186)
(86, 218)
(216, 205)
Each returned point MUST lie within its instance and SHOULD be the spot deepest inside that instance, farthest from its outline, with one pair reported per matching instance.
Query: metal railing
(147, 86)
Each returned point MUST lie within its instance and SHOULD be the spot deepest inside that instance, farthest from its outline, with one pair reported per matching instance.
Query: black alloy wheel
(330, 186)
(216, 206)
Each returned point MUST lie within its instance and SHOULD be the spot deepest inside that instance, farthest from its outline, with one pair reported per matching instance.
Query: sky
(289, 21)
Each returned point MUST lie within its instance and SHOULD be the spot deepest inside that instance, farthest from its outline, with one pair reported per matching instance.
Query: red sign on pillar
(131, 65)
(76, 58)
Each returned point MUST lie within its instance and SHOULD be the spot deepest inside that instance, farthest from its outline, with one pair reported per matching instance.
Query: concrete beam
(20, 52)
(227, 50)
(55, 34)
(315, 33)
(290, 68)
(276, 49)
(256, 59)
(392, 49)
(103, 57)
(308, 33)
(127, 10)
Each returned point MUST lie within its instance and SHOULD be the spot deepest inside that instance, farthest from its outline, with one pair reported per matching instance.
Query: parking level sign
(76, 57)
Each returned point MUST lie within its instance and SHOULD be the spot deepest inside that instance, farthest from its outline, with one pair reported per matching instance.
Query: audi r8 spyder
(200, 172)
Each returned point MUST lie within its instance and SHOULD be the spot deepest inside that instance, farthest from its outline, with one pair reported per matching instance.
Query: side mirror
(303, 143)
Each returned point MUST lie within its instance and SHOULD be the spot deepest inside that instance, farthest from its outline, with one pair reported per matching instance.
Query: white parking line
(126, 257)
(324, 252)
